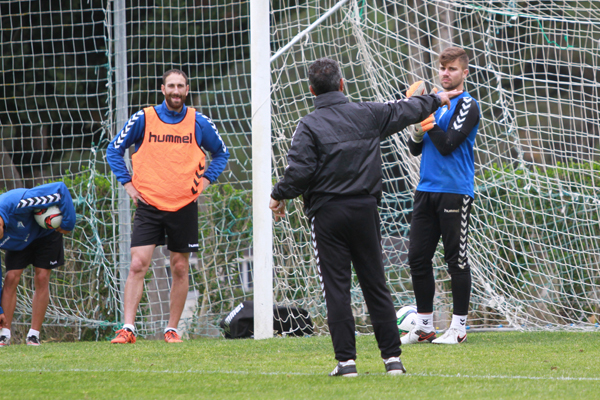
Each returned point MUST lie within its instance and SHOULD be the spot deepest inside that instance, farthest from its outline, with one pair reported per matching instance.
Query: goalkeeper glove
(416, 89)
(420, 129)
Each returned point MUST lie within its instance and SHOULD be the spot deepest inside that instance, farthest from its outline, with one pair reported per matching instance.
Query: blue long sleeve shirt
(206, 133)
(17, 208)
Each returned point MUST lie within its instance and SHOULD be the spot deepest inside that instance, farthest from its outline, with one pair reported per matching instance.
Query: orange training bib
(169, 163)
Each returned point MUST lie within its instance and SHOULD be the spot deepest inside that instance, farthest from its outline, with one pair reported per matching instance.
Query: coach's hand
(133, 193)
(446, 96)
(278, 208)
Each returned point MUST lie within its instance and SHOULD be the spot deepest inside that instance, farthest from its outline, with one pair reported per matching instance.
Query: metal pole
(305, 32)
(262, 219)
(124, 209)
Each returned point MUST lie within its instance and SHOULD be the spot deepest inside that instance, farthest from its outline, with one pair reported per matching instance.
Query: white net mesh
(534, 71)
(57, 113)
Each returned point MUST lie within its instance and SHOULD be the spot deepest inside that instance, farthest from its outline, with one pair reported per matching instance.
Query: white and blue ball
(407, 319)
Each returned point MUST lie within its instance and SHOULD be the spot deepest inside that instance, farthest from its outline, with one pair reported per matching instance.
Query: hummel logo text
(451, 211)
(170, 138)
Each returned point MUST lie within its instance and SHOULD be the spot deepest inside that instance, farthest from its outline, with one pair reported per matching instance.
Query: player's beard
(178, 105)
(450, 85)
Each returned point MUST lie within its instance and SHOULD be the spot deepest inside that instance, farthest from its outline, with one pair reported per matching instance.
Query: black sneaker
(393, 366)
(345, 368)
(4, 341)
(33, 341)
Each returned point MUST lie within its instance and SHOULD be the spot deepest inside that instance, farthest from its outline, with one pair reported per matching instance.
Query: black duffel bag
(287, 320)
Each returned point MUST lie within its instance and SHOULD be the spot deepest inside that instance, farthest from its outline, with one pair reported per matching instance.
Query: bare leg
(180, 266)
(9, 295)
(41, 297)
(140, 262)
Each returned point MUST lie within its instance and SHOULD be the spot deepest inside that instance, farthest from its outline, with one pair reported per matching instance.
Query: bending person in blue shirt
(442, 203)
(25, 242)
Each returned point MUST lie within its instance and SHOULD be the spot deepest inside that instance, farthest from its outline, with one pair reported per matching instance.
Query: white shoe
(4, 341)
(451, 336)
(345, 368)
(393, 366)
(417, 336)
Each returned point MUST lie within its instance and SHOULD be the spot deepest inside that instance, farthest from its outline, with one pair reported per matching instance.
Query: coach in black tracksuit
(335, 163)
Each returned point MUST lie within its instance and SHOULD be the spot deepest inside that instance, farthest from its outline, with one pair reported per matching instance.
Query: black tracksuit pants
(434, 215)
(347, 229)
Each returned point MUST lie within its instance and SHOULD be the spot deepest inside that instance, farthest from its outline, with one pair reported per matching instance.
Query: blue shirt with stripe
(453, 173)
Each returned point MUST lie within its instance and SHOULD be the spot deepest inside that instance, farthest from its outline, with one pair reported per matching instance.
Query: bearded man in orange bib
(168, 176)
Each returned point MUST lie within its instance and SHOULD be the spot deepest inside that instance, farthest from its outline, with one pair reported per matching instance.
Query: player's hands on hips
(61, 230)
(134, 194)
(446, 96)
(205, 183)
(278, 208)
(1, 228)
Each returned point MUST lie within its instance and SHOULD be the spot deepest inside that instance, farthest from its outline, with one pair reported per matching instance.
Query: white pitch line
(229, 372)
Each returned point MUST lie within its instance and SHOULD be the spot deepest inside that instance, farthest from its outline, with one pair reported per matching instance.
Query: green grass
(507, 365)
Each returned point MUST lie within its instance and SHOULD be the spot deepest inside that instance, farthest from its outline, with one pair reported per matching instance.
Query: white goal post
(535, 233)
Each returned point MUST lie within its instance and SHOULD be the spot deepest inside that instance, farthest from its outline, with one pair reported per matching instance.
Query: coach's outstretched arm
(397, 115)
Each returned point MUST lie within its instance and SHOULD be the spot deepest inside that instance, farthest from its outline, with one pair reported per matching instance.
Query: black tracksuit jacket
(336, 148)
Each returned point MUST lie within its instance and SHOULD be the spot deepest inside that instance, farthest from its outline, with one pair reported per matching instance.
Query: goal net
(534, 71)
(535, 235)
(58, 112)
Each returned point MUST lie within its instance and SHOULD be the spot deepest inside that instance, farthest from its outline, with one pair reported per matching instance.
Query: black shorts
(46, 252)
(181, 227)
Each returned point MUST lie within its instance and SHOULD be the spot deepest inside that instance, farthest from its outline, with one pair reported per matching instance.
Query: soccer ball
(407, 319)
(48, 218)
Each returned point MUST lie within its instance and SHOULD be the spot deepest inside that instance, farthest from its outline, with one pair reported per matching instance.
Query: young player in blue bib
(25, 242)
(442, 203)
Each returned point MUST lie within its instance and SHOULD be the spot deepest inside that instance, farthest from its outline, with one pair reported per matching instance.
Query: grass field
(507, 365)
